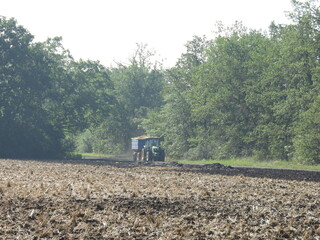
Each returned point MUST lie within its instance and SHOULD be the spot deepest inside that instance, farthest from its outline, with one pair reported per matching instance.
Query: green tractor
(147, 149)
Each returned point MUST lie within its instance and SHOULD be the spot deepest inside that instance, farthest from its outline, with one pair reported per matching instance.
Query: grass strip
(101, 155)
(251, 162)
(242, 162)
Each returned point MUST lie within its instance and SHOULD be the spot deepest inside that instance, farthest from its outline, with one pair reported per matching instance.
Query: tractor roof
(145, 137)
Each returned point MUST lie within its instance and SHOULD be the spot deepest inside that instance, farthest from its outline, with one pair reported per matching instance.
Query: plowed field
(123, 200)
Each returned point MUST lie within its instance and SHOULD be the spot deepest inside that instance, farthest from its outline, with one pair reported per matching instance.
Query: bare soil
(119, 199)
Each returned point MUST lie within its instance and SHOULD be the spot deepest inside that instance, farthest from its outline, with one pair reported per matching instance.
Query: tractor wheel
(149, 156)
(164, 156)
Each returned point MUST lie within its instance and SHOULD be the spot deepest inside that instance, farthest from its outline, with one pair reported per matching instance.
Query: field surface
(109, 199)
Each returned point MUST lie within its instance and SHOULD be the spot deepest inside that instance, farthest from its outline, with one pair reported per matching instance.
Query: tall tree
(25, 127)
(138, 88)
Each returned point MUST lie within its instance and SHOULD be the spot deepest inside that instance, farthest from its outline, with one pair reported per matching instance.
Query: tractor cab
(152, 142)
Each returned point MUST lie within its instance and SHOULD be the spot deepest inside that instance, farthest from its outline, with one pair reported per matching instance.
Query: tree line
(243, 93)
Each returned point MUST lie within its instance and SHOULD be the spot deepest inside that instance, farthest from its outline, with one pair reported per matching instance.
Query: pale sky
(108, 30)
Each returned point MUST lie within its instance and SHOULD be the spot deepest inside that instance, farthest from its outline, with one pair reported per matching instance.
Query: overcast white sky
(108, 30)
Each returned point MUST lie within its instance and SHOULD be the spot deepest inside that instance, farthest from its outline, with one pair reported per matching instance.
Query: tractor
(147, 149)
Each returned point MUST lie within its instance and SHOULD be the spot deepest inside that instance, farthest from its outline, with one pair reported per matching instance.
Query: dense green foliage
(45, 95)
(243, 93)
(247, 93)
